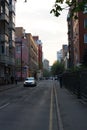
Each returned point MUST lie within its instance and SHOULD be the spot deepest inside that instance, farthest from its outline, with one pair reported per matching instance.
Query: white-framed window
(18, 49)
(85, 9)
(85, 38)
(85, 23)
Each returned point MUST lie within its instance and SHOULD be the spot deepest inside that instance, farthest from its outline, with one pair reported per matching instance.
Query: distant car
(30, 81)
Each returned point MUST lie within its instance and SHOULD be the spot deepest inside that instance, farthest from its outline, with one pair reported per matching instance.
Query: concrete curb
(9, 86)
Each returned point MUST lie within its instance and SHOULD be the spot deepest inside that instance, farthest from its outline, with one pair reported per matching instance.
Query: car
(30, 81)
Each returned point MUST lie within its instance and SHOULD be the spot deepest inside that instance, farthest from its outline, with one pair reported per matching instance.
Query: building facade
(60, 55)
(40, 57)
(21, 54)
(65, 55)
(40, 52)
(26, 54)
(77, 37)
(33, 55)
(46, 64)
(7, 40)
(70, 39)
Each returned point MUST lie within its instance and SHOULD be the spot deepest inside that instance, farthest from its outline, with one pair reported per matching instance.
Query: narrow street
(29, 108)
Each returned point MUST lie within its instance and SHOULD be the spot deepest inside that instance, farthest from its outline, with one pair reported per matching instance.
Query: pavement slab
(73, 111)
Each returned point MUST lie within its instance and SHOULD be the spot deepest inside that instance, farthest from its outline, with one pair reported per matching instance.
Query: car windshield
(30, 78)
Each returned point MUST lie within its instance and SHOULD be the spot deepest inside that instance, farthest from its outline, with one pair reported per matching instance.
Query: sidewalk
(73, 111)
(9, 86)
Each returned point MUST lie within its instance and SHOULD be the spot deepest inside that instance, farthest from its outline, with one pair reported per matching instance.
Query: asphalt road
(29, 108)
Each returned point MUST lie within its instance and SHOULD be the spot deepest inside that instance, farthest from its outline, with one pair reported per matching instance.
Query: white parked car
(30, 81)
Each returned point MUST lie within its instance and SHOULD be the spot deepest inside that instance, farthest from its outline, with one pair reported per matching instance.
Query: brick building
(21, 54)
(77, 37)
(33, 55)
(40, 56)
(26, 54)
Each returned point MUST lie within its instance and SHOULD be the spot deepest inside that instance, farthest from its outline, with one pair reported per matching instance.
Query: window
(6, 11)
(85, 9)
(2, 49)
(2, 10)
(13, 18)
(13, 35)
(18, 49)
(85, 38)
(18, 61)
(85, 23)
(12, 3)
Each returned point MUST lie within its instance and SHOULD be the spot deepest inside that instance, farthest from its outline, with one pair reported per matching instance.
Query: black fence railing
(76, 82)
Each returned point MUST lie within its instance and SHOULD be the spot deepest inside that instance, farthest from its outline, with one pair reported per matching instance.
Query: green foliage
(77, 68)
(46, 73)
(57, 68)
(77, 5)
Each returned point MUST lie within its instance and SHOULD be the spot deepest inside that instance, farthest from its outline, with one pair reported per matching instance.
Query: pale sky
(34, 16)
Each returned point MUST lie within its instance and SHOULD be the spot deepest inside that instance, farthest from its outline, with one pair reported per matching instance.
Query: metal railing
(76, 82)
(3, 37)
(3, 16)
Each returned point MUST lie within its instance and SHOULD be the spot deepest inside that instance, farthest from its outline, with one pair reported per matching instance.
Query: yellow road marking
(58, 111)
(51, 111)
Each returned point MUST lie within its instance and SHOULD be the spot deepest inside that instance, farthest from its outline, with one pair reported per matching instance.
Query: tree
(46, 73)
(57, 68)
(78, 5)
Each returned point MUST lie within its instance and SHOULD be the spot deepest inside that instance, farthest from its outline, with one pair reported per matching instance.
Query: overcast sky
(34, 16)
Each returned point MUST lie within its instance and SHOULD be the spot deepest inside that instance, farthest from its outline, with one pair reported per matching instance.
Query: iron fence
(76, 82)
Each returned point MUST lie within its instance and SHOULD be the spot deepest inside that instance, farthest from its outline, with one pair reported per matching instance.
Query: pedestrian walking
(12, 79)
(60, 80)
(16, 80)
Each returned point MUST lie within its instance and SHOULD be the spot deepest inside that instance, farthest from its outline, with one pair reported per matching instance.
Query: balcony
(12, 8)
(11, 44)
(7, 60)
(11, 25)
(4, 17)
(3, 38)
(5, 0)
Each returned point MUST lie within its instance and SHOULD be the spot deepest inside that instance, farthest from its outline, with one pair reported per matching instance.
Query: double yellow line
(60, 125)
(51, 111)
